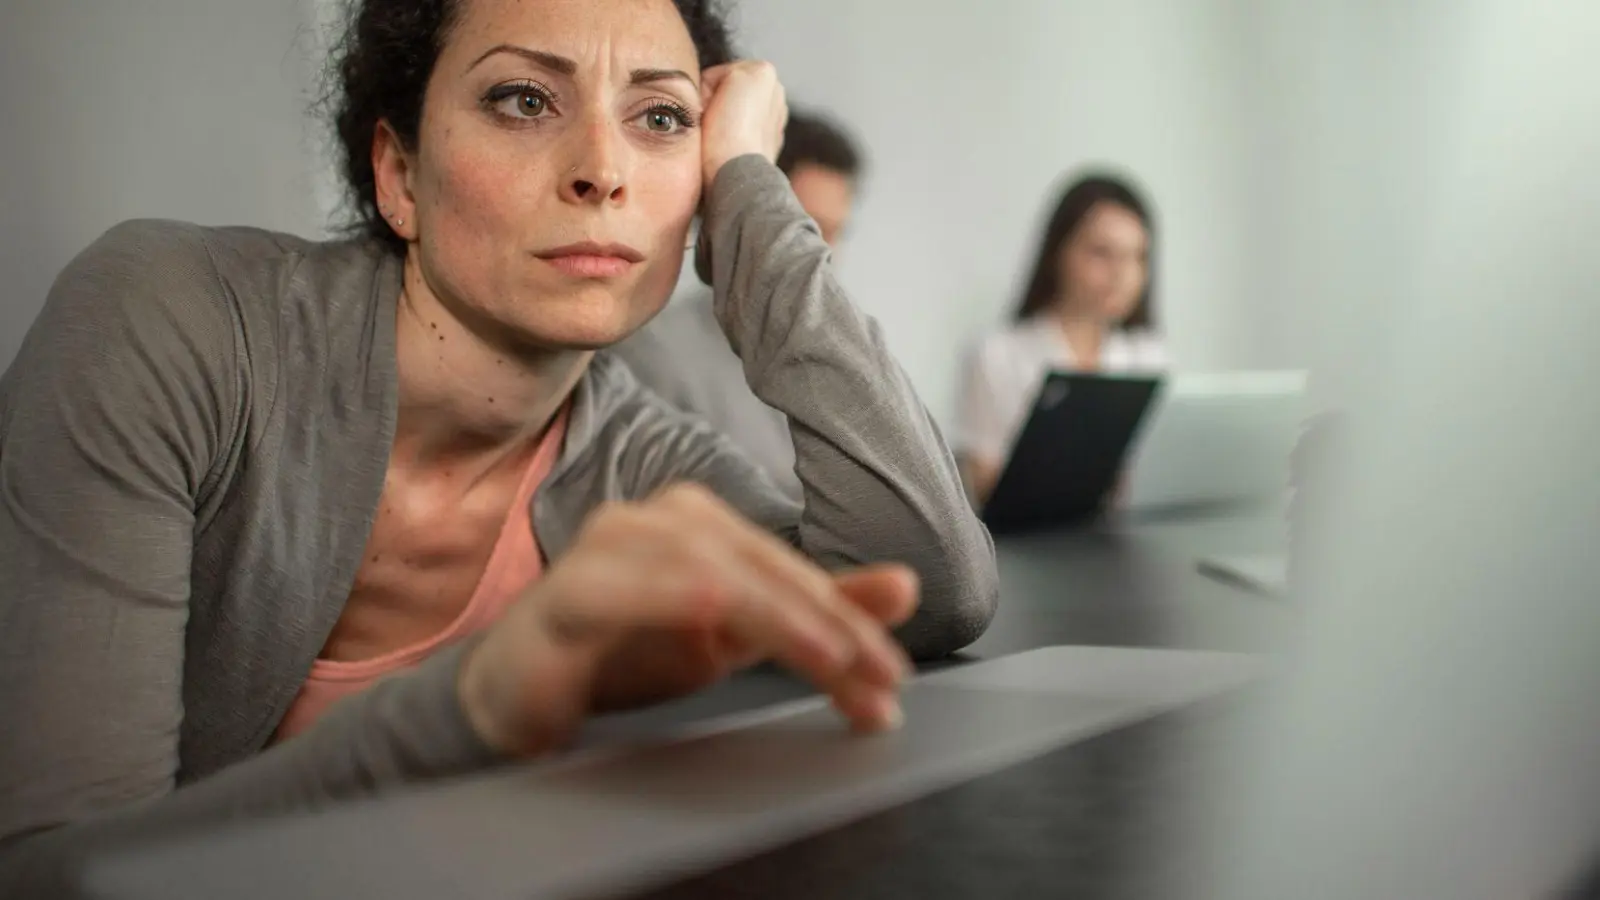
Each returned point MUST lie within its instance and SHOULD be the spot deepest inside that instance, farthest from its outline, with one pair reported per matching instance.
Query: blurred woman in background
(1087, 308)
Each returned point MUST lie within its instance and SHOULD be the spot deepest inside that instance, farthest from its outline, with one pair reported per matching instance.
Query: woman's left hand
(745, 112)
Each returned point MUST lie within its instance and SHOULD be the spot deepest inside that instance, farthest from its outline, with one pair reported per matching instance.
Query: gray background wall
(116, 109)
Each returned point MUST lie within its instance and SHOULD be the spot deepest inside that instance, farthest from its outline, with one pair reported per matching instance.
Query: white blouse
(1005, 373)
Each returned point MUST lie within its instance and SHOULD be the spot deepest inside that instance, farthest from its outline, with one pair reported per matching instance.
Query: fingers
(746, 109)
(789, 578)
(859, 603)
(712, 78)
(661, 565)
(756, 69)
(867, 708)
(887, 592)
(685, 560)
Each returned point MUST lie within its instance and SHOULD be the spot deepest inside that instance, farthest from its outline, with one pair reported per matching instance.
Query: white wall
(187, 109)
(972, 112)
(1351, 105)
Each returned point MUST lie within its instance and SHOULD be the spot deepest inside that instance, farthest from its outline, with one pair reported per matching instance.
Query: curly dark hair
(380, 70)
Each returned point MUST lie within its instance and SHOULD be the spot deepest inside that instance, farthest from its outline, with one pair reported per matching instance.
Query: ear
(393, 168)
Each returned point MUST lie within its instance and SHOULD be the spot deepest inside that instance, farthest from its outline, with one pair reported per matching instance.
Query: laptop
(1218, 439)
(1069, 455)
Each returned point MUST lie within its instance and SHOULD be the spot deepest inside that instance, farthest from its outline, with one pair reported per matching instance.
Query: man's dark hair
(815, 139)
(380, 71)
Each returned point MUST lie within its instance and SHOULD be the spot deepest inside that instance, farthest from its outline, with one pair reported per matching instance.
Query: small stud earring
(399, 222)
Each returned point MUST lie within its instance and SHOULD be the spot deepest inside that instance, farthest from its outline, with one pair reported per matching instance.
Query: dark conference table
(1105, 817)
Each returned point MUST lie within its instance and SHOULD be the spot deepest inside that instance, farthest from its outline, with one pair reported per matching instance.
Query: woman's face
(557, 167)
(1104, 266)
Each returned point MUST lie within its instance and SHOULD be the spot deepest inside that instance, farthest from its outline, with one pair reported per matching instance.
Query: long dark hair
(1081, 196)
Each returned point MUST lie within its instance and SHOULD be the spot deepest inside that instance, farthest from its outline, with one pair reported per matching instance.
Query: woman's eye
(530, 105)
(667, 120)
(520, 101)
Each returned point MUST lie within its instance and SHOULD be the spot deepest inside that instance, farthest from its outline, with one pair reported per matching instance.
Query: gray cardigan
(193, 442)
(683, 356)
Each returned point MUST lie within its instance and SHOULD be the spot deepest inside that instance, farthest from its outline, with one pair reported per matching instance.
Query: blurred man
(683, 355)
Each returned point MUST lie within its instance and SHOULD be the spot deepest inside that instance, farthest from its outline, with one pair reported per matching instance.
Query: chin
(591, 318)
(1118, 317)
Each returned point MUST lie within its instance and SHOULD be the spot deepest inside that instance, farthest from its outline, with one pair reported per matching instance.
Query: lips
(592, 260)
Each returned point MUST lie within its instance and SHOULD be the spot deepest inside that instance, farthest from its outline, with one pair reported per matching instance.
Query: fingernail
(890, 714)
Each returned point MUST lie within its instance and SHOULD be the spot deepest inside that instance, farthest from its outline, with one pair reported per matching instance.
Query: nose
(597, 173)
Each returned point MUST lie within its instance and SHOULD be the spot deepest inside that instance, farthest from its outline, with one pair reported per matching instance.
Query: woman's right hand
(670, 595)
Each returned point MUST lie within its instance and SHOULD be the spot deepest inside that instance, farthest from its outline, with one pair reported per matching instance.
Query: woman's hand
(657, 599)
(745, 112)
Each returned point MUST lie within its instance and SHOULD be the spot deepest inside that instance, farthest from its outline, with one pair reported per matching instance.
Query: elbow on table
(957, 607)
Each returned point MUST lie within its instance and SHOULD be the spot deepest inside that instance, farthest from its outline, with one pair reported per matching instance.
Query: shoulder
(140, 343)
(146, 288)
(166, 251)
(1153, 351)
(1140, 350)
(190, 272)
(145, 260)
(1012, 346)
(181, 303)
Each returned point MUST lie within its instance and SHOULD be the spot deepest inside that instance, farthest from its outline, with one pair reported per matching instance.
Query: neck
(468, 394)
(1084, 334)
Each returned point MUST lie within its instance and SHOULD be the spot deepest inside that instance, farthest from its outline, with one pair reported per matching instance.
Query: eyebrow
(563, 66)
(651, 76)
(558, 64)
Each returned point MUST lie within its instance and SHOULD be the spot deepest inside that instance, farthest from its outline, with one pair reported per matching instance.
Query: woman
(244, 476)
(1086, 308)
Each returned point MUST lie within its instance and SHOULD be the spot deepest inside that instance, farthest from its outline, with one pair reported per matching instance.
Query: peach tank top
(514, 563)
